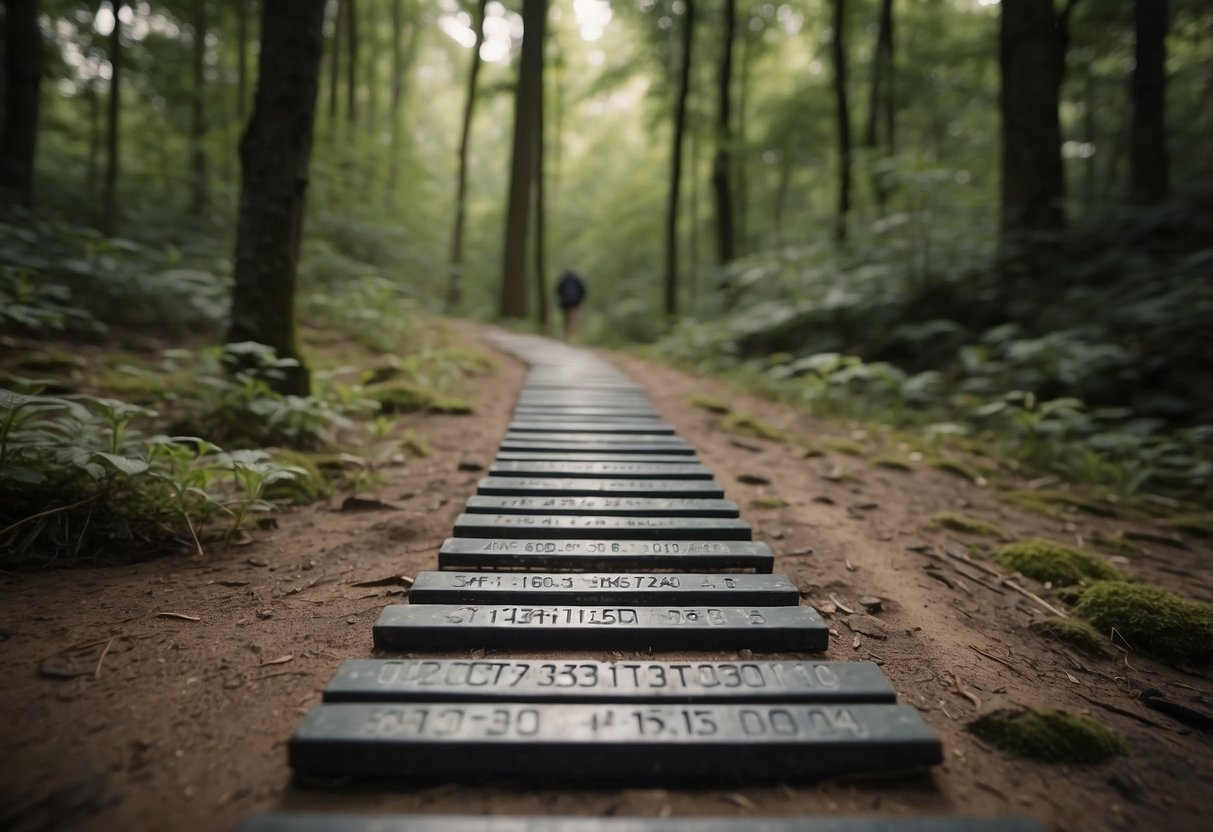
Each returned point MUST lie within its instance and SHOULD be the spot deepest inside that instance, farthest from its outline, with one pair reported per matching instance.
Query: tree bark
(274, 156)
(1030, 56)
(881, 105)
(522, 166)
(22, 89)
(335, 60)
(351, 62)
(199, 190)
(839, 55)
(725, 242)
(680, 121)
(455, 286)
(109, 202)
(1148, 165)
(541, 282)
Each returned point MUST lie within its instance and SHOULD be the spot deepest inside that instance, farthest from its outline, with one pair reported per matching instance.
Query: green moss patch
(400, 396)
(1077, 634)
(967, 525)
(709, 403)
(892, 463)
(956, 469)
(768, 502)
(1050, 736)
(1056, 563)
(756, 428)
(1152, 620)
(1200, 525)
(844, 446)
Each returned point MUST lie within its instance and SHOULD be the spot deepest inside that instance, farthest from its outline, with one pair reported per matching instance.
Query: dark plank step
(647, 427)
(584, 414)
(678, 448)
(646, 744)
(486, 680)
(604, 589)
(582, 456)
(550, 526)
(603, 506)
(556, 487)
(516, 627)
(324, 822)
(599, 438)
(605, 555)
(602, 470)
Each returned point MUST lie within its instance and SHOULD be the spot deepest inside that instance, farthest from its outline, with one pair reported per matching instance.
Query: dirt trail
(186, 721)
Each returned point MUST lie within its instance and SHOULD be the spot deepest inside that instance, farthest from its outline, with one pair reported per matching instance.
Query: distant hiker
(570, 292)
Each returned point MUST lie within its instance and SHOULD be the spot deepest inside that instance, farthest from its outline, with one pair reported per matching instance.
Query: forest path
(188, 719)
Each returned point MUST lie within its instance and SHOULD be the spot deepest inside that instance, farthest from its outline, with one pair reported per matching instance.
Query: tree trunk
(522, 166)
(455, 287)
(351, 62)
(1030, 56)
(109, 202)
(241, 58)
(371, 64)
(335, 60)
(274, 156)
(22, 89)
(725, 243)
(541, 283)
(740, 161)
(881, 102)
(1149, 176)
(838, 53)
(93, 170)
(199, 191)
(680, 121)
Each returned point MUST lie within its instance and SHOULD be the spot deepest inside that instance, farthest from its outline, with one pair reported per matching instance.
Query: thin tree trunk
(371, 63)
(680, 120)
(1088, 129)
(109, 203)
(696, 143)
(839, 55)
(23, 84)
(274, 157)
(94, 141)
(522, 167)
(199, 190)
(335, 60)
(351, 62)
(241, 58)
(740, 161)
(880, 103)
(725, 242)
(455, 287)
(1148, 166)
(541, 283)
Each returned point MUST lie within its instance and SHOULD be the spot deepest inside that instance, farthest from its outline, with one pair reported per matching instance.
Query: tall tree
(109, 202)
(522, 164)
(882, 102)
(680, 121)
(22, 88)
(1031, 56)
(339, 14)
(199, 184)
(725, 243)
(274, 157)
(541, 281)
(838, 54)
(455, 286)
(351, 61)
(1148, 163)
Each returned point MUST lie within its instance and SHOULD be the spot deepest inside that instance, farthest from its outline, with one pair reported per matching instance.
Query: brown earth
(183, 723)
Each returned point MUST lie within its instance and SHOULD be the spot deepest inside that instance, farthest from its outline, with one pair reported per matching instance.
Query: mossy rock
(1055, 563)
(1200, 525)
(967, 525)
(709, 403)
(956, 469)
(893, 463)
(768, 502)
(1152, 620)
(1077, 634)
(844, 446)
(1051, 736)
(308, 487)
(401, 396)
(756, 428)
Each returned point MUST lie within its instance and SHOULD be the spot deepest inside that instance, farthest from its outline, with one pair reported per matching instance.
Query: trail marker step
(602, 470)
(612, 506)
(605, 555)
(557, 487)
(620, 528)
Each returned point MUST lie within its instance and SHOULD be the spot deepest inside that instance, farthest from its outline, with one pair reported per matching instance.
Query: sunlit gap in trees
(503, 28)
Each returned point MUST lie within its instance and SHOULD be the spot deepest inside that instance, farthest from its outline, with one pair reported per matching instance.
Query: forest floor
(184, 721)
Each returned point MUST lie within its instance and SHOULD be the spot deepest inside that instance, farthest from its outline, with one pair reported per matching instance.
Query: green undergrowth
(893, 463)
(1118, 545)
(1056, 563)
(755, 428)
(955, 468)
(967, 525)
(843, 446)
(404, 396)
(1199, 525)
(1077, 634)
(709, 403)
(1051, 736)
(1151, 620)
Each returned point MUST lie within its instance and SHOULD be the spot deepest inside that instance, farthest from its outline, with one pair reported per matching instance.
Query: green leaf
(124, 464)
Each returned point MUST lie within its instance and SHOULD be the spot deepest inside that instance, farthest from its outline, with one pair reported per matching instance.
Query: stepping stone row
(616, 539)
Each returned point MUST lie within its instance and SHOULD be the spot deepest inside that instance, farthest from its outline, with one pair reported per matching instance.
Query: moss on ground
(1200, 525)
(956, 469)
(1152, 620)
(768, 502)
(308, 487)
(844, 446)
(756, 428)
(1077, 634)
(400, 396)
(892, 463)
(1056, 563)
(968, 525)
(1051, 736)
(1118, 545)
(709, 403)
(1052, 503)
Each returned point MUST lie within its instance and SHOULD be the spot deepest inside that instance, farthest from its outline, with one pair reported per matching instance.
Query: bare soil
(194, 672)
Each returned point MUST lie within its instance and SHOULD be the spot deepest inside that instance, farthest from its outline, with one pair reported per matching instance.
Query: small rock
(470, 464)
(745, 654)
(265, 614)
(824, 500)
(353, 619)
(865, 625)
(753, 479)
(871, 603)
(919, 546)
(865, 506)
(775, 534)
(803, 550)
(257, 562)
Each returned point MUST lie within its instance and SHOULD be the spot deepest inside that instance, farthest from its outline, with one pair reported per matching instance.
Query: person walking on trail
(570, 292)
